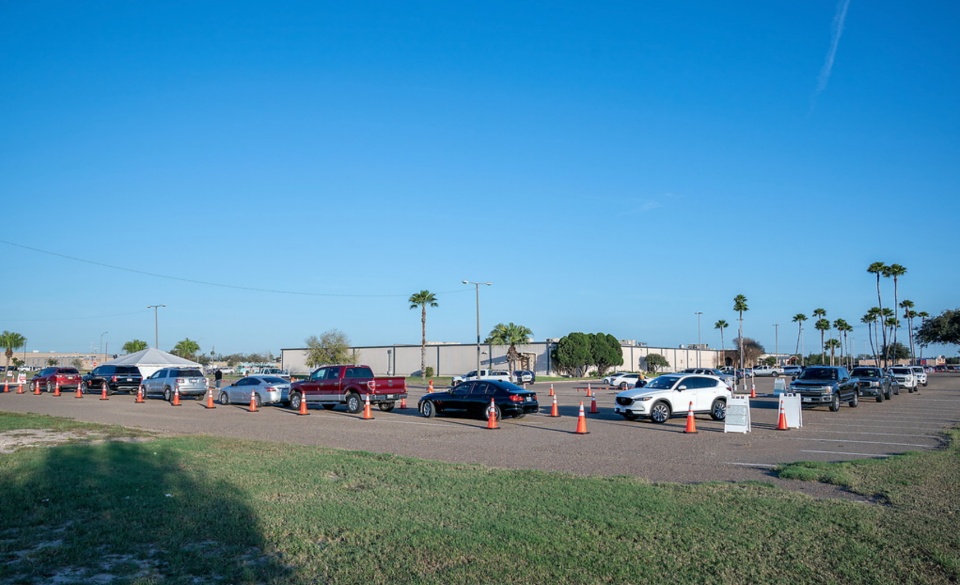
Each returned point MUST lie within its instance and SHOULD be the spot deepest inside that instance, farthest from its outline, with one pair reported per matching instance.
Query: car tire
(660, 412)
(889, 393)
(387, 406)
(427, 409)
(718, 410)
(835, 402)
(295, 398)
(168, 394)
(879, 396)
(896, 389)
(49, 386)
(630, 416)
(257, 400)
(354, 403)
(84, 388)
(224, 399)
(856, 400)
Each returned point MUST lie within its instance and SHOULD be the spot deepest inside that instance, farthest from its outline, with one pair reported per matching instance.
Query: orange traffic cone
(551, 391)
(403, 402)
(492, 416)
(782, 421)
(56, 389)
(6, 385)
(753, 389)
(103, 391)
(253, 403)
(176, 396)
(691, 423)
(139, 399)
(593, 405)
(210, 403)
(430, 386)
(581, 422)
(589, 391)
(302, 411)
(553, 409)
(367, 411)
(79, 393)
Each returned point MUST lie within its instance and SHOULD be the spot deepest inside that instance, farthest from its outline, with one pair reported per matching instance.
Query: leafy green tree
(11, 341)
(77, 363)
(52, 361)
(944, 328)
(510, 334)
(606, 351)
(799, 318)
(573, 354)
(750, 349)
(332, 347)
(186, 348)
(135, 345)
(423, 299)
(897, 351)
(879, 269)
(655, 361)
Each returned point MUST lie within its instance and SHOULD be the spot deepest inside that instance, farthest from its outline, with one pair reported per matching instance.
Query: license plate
(129, 379)
(808, 399)
(390, 397)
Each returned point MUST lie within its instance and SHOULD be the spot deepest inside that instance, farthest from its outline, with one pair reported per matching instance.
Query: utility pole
(156, 328)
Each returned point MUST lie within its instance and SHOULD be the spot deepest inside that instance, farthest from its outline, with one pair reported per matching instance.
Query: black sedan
(474, 397)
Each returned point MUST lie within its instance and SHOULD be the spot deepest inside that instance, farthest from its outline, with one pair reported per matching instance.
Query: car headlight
(643, 399)
(827, 389)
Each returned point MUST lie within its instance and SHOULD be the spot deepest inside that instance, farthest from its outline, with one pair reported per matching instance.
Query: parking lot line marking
(881, 434)
(846, 453)
(860, 442)
(758, 465)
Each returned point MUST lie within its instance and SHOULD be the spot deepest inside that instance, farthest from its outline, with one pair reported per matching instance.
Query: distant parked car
(671, 394)
(484, 375)
(905, 378)
(624, 381)
(474, 398)
(828, 385)
(47, 379)
(727, 378)
(118, 379)
(767, 371)
(265, 389)
(875, 382)
(792, 370)
(920, 374)
(524, 377)
(190, 381)
(608, 379)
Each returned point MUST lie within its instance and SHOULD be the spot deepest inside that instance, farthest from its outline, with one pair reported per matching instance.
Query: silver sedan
(266, 389)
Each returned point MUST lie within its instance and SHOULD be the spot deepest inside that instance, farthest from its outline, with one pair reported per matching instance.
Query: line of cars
(834, 385)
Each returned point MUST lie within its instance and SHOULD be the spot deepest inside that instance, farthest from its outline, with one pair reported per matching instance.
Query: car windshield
(819, 374)
(661, 383)
(870, 372)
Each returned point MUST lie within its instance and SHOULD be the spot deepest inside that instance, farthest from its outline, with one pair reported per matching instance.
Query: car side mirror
(682, 387)
(793, 378)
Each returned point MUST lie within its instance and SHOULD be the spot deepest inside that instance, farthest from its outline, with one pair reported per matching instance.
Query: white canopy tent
(150, 360)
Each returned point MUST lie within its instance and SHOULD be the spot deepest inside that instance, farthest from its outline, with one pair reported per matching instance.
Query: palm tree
(841, 326)
(923, 317)
(186, 348)
(799, 318)
(847, 329)
(740, 305)
(11, 341)
(510, 334)
(822, 325)
(833, 344)
(909, 314)
(721, 325)
(423, 299)
(135, 345)
(879, 269)
(888, 320)
(870, 319)
(895, 271)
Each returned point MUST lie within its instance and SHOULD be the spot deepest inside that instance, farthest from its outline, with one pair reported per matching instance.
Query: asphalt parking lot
(613, 446)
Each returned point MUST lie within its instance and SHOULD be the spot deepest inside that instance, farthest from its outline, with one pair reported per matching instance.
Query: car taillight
(516, 398)
(114, 378)
(180, 380)
(270, 388)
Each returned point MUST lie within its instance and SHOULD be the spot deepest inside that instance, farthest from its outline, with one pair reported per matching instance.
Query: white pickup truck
(767, 371)
(501, 375)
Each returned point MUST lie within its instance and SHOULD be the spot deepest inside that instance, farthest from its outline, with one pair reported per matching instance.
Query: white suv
(904, 377)
(671, 395)
(920, 374)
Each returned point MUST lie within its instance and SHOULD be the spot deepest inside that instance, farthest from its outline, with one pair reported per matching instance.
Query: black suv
(118, 379)
(826, 385)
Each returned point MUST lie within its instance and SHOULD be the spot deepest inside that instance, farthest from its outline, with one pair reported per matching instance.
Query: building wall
(452, 359)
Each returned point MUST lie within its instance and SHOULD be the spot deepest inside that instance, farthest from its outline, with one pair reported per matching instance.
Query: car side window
(480, 389)
(462, 389)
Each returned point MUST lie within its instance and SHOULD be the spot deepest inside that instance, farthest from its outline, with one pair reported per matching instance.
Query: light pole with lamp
(477, 287)
(101, 343)
(698, 313)
(156, 329)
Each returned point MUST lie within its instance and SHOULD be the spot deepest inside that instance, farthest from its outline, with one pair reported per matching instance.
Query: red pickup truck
(329, 386)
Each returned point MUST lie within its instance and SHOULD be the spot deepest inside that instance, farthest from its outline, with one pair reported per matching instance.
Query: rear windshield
(866, 372)
(128, 370)
(901, 370)
(273, 380)
(819, 374)
(189, 373)
(69, 371)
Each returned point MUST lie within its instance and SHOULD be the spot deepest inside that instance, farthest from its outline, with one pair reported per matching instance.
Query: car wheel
(835, 402)
(295, 399)
(660, 412)
(257, 401)
(718, 410)
(879, 396)
(427, 409)
(889, 393)
(496, 413)
(83, 388)
(224, 398)
(630, 416)
(167, 394)
(896, 389)
(354, 404)
(49, 387)
(387, 406)
(856, 400)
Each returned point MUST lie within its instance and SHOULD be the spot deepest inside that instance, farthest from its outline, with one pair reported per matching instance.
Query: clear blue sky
(270, 171)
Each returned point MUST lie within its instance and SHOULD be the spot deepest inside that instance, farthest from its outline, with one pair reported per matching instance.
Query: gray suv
(829, 385)
(190, 381)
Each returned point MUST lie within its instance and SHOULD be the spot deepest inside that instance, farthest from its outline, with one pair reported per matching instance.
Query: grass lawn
(196, 509)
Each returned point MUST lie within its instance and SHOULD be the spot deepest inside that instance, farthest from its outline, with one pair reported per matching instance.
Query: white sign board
(738, 415)
(792, 410)
(779, 386)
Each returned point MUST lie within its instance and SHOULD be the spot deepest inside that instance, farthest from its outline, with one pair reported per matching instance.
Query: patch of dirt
(11, 441)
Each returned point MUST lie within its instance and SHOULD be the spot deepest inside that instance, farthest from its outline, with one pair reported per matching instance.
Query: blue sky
(270, 171)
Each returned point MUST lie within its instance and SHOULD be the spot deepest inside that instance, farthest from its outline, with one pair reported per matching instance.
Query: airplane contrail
(838, 19)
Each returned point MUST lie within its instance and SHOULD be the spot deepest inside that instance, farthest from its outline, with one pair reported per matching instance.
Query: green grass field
(198, 509)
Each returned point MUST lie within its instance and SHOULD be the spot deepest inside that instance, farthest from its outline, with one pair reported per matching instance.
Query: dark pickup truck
(329, 386)
(829, 385)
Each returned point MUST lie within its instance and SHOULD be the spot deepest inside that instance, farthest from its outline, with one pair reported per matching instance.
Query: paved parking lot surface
(613, 446)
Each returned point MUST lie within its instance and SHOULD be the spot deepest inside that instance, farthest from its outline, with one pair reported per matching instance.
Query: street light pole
(156, 329)
(477, 287)
(101, 343)
(776, 341)
(698, 313)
